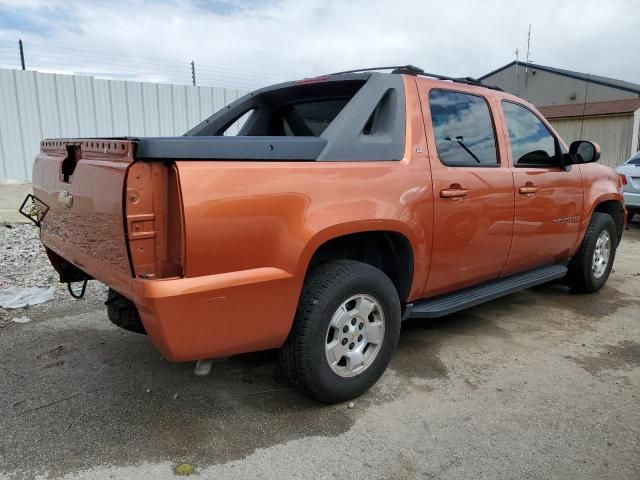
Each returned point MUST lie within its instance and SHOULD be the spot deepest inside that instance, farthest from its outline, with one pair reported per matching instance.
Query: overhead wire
(95, 63)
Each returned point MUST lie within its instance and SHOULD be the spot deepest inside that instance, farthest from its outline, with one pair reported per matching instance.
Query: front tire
(344, 333)
(590, 268)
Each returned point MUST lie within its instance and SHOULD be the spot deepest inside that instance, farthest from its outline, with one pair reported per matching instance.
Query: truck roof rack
(413, 70)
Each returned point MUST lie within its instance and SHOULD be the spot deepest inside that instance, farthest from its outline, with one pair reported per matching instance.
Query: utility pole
(21, 48)
(515, 85)
(193, 73)
(526, 75)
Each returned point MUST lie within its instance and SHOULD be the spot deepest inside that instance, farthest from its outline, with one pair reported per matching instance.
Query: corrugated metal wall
(614, 135)
(546, 88)
(36, 105)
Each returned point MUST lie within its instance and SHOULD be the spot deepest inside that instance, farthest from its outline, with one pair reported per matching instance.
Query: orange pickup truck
(345, 204)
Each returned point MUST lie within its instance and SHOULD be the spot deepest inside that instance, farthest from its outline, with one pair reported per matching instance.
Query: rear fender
(420, 263)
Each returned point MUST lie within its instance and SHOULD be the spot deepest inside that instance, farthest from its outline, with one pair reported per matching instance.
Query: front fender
(601, 184)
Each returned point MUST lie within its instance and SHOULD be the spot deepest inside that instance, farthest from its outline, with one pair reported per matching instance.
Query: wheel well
(389, 251)
(616, 211)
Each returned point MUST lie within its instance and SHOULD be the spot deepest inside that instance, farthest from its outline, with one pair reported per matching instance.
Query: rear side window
(532, 145)
(299, 110)
(310, 118)
(463, 129)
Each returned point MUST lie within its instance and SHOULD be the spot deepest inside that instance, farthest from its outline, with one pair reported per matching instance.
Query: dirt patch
(53, 353)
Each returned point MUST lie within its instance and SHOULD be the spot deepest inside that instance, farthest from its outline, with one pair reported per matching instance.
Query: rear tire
(590, 268)
(123, 313)
(630, 217)
(346, 308)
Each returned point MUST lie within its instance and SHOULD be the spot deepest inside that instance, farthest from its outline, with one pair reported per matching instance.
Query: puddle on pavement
(417, 353)
(596, 305)
(621, 356)
(554, 309)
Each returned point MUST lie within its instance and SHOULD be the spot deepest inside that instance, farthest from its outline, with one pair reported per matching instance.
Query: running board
(452, 302)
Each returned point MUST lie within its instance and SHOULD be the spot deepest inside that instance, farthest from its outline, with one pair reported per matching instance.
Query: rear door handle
(528, 190)
(453, 193)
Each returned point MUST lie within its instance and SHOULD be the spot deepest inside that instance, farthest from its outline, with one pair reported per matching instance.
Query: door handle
(453, 193)
(528, 190)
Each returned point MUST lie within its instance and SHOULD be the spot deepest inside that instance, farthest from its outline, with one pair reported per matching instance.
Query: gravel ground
(539, 384)
(25, 264)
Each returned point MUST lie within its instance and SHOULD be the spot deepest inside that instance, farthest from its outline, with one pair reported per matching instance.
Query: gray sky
(267, 40)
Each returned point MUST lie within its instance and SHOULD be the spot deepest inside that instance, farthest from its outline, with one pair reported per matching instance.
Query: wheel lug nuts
(359, 338)
(345, 329)
(361, 326)
(351, 345)
(353, 321)
(344, 341)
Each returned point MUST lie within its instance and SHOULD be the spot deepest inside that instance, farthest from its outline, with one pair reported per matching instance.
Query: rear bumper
(217, 315)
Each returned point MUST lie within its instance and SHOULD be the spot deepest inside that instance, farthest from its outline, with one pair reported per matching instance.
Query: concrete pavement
(540, 384)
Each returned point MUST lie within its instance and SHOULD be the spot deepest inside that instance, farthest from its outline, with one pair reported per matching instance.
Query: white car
(630, 175)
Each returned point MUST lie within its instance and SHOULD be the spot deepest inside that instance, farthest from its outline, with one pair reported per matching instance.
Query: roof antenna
(526, 72)
(584, 104)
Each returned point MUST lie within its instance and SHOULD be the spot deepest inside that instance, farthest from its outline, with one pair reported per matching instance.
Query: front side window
(463, 129)
(532, 145)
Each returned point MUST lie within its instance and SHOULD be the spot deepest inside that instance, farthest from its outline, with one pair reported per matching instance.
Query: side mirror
(584, 151)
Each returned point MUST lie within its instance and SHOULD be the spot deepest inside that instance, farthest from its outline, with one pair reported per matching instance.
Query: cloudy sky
(247, 42)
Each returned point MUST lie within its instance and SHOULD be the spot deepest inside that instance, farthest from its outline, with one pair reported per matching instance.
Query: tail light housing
(623, 179)
(154, 220)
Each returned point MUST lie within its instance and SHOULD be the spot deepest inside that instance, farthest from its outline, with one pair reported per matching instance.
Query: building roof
(592, 109)
(609, 82)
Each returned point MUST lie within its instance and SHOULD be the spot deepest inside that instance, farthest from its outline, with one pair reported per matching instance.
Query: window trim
(556, 142)
(498, 164)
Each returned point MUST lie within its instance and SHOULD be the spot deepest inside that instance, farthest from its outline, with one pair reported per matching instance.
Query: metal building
(579, 105)
(34, 106)
(613, 125)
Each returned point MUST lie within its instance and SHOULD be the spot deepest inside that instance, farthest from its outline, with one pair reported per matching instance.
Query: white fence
(37, 105)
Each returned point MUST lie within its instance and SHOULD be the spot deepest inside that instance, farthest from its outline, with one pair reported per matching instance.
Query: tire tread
(579, 277)
(295, 356)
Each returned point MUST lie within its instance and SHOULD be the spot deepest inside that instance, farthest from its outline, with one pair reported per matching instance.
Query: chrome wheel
(355, 335)
(601, 254)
